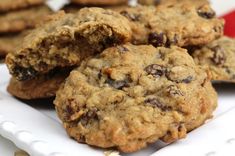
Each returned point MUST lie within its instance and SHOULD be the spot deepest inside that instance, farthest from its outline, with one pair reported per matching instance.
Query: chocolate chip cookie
(219, 57)
(181, 24)
(8, 5)
(41, 87)
(17, 21)
(66, 40)
(100, 2)
(129, 96)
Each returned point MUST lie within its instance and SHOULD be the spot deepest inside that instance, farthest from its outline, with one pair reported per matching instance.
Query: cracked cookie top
(67, 39)
(129, 96)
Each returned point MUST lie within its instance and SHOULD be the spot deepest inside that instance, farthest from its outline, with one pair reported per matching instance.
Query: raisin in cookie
(8, 5)
(66, 40)
(129, 96)
(16, 21)
(99, 2)
(180, 24)
(41, 87)
(219, 57)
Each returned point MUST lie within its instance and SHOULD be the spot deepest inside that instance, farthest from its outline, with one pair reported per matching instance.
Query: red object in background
(230, 24)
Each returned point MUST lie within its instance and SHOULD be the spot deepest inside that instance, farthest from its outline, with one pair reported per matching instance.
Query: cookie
(8, 5)
(8, 43)
(170, 2)
(129, 96)
(41, 87)
(73, 8)
(181, 24)
(99, 2)
(67, 40)
(18, 21)
(219, 57)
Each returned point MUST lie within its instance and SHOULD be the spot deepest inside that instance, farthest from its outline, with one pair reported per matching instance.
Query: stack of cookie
(16, 18)
(125, 78)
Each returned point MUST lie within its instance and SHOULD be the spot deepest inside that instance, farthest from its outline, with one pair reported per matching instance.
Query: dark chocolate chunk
(156, 103)
(155, 70)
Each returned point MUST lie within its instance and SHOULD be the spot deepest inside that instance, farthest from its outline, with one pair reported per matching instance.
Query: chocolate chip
(156, 103)
(132, 17)
(157, 40)
(155, 70)
(206, 12)
(174, 91)
(23, 74)
(118, 84)
(122, 49)
(219, 57)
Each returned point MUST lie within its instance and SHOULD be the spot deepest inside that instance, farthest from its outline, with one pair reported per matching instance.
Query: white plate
(7, 148)
(35, 128)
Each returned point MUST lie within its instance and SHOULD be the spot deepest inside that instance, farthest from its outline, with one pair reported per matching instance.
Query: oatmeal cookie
(67, 40)
(17, 21)
(41, 87)
(8, 5)
(219, 57)
(129, 96)
(99, 2)
(180, 24)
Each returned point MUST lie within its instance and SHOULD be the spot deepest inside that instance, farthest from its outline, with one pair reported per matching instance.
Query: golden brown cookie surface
(129, 96)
